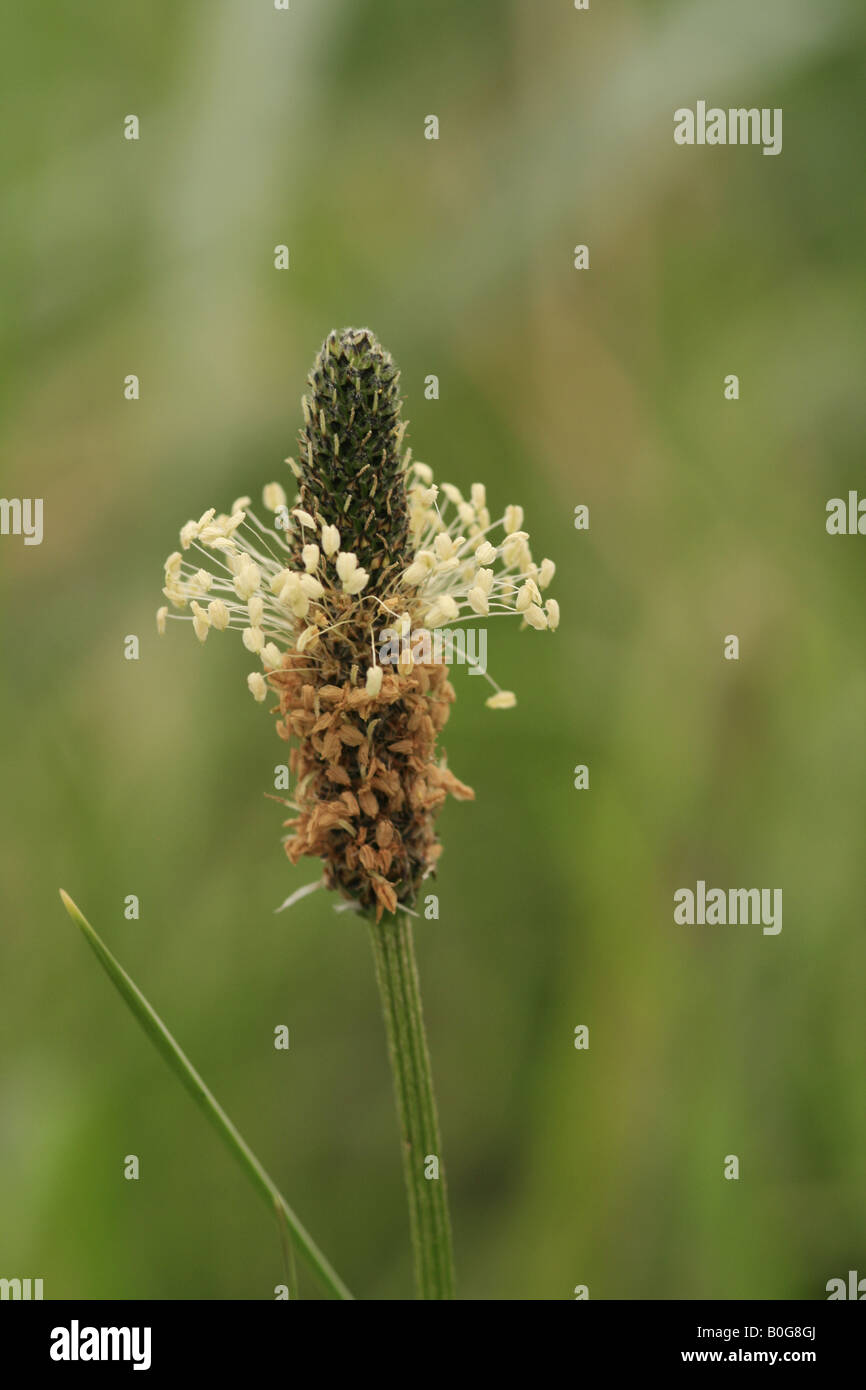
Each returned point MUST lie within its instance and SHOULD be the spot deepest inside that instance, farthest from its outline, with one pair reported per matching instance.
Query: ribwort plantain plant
(369, 545)
(339, 596)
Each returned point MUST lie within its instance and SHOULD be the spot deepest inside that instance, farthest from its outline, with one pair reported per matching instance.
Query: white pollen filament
(460, 567)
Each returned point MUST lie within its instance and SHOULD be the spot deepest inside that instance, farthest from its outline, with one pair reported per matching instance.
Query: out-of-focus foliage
(558, 387)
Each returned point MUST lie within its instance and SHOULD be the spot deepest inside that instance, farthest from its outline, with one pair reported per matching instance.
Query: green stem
(429, 1224)
(206, 1101)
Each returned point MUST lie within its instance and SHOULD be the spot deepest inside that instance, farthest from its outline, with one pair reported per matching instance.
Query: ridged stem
(429, 1223)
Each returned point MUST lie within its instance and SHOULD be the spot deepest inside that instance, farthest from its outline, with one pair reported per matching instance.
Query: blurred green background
(558, 387)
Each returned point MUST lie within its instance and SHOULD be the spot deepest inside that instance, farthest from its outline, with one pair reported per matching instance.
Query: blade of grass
(190, 1079)
(288, 1257)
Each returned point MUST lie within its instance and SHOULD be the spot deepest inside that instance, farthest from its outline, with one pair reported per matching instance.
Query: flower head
(368, 544)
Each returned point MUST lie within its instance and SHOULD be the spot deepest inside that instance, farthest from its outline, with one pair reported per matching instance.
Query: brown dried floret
(377, 837)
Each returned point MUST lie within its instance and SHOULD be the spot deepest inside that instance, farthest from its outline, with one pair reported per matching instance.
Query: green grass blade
(189, 1077)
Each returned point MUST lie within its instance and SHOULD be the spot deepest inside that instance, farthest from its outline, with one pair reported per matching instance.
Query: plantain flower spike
(340, 595)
